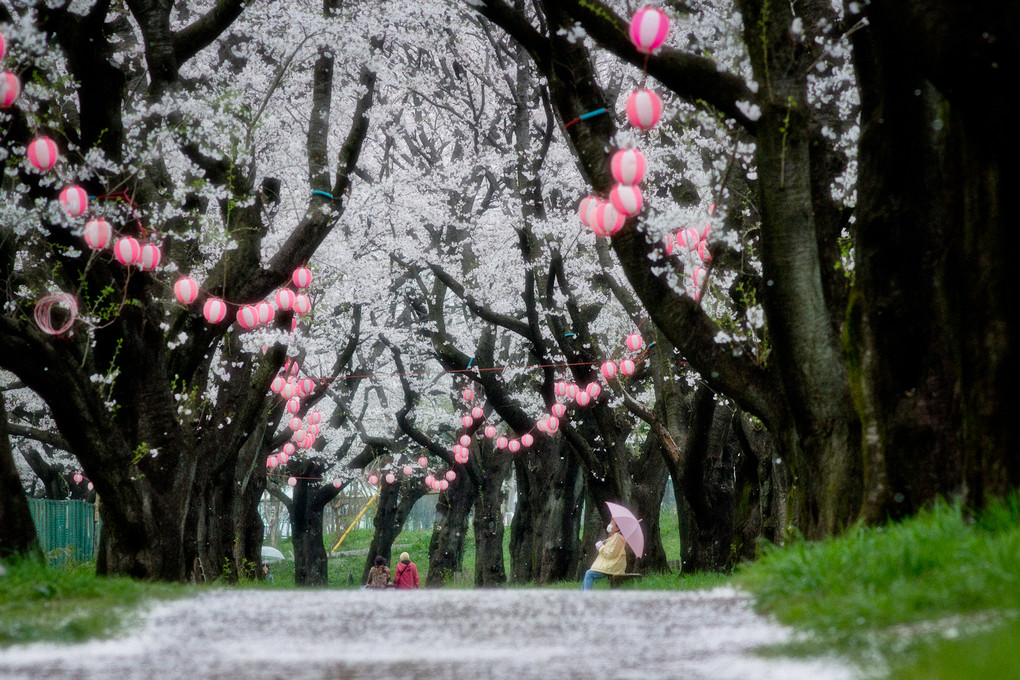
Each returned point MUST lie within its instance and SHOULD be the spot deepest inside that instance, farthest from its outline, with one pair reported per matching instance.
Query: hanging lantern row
(248, 316)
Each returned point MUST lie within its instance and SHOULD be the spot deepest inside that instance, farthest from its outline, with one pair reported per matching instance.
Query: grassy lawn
(934, 597)
(70, 604)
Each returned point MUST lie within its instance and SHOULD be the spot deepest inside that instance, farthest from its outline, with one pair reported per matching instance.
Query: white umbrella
(271, 554)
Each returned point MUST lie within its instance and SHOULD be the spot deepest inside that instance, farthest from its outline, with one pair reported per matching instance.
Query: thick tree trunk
(17, 530)
(490, 569)
(936, 342)
(446, 548)
(311, 563)
(395, 503)
(545, 532)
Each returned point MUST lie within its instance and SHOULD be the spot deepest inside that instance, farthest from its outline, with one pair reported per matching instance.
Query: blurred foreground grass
(936, 596)
(69, 604)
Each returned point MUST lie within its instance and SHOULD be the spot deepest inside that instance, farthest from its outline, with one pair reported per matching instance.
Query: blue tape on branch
(323, 193)
(570, 335)
(471, 361)
(592, 114)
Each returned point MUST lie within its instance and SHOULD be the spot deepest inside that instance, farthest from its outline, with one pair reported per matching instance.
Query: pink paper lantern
(390, 478)
(248, 317)
(648, 29)
(583, 398)
(302, 277)
(465, 440)
(501, 443)
(490, 431)
(444, 485)
(10, 89)
(313, 429)
(289, 389)
(337, 483)
(150, 257)
(451, 475)
(272, 461)
(634, 342)
(295, 424)
(214, 310)
(42, 153)
(288, 448)
(306, 386)
(628, 166)
(626, 198)
(571, 391)
(277, 385)
(285, 299)
(293, 405)
(429, 480)
(282, 458)
(3, 46)
(292, 482)
(699, 275)
(315, 417)
(98, 233)
(373, 480)
(527, 440)
(302, 305)
(186, 290)
(542, 425)
(78, 478)
(423, 461)
(299, 437)
(477, 412)
(265, 312)
(408, 470)
(627, 367)
(608, 220)
(307, 442)
(561, 389)
(294, 367)
(552, 423)
(608, 370)
(593, 390)
(127, 251)
(74, 200)
(514, 446)
(644, 108)
(703, 252)
(468, 394)
(461, 457)
(468, 421)
(688, 238)
(558, 410)
(587, 208)
(668, 244)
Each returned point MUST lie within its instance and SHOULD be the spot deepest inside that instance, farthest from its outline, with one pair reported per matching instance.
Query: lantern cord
(585, 116)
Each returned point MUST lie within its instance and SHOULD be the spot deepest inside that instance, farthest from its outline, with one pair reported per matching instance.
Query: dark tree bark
(395, 504)
(17, 530)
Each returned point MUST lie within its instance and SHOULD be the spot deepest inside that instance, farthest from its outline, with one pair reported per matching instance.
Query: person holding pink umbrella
(611, 560)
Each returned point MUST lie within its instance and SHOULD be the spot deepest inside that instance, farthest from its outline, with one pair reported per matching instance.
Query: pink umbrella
(630, 527)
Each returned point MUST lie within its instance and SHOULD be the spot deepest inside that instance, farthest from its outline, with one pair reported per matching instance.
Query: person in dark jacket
(405, 575)
(379, 575)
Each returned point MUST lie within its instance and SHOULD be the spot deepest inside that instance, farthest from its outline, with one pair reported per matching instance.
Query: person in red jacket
(405, 575)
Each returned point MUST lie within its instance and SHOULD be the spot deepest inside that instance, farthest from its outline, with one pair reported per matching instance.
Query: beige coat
(612, 557)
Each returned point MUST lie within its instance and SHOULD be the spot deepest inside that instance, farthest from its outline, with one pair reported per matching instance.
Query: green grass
(942, 584)
(69, 604)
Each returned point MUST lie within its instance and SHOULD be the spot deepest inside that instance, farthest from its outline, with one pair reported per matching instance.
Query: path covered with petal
(516, 634)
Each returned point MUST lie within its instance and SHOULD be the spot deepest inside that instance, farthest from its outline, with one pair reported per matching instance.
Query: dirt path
(517, 634)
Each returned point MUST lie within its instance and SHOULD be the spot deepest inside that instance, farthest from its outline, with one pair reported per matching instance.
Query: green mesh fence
(68, 530)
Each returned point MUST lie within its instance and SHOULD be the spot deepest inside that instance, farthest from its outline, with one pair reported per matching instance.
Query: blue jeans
(590, 577)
